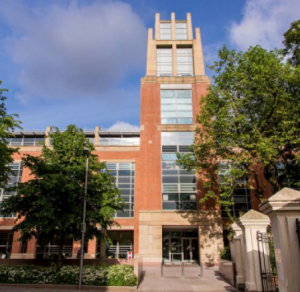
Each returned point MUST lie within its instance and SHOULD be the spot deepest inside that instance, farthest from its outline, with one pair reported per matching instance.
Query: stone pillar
(47, 140)
(157, 26)
(250, 223)
(96, 138)
(237, 249)
(189, 26)
(283, 208)
(174, 59)
(173, 26)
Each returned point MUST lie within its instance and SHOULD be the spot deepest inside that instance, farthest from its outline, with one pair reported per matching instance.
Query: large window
(181, 31)
(241, 196)
(176, 107)
(178, 185)
(124, 175)
(25, 141)
(15, 177)
(164, 62)
(185, 62)
(5, 242)
(165, 31)
(119, 141)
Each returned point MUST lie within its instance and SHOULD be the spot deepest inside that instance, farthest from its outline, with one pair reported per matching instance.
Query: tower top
(173, 51)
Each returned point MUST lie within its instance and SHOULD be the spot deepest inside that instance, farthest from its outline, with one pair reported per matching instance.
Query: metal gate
(267, 261)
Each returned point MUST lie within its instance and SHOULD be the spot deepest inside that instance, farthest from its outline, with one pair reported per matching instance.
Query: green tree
(248, 125)
(292, 43)
(50, 205)
(7, 124)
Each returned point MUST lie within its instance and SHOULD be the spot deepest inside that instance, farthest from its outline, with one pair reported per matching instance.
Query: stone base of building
(154, 225)
(22, 256)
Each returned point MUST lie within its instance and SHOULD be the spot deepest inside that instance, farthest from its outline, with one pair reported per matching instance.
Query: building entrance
(180, 246)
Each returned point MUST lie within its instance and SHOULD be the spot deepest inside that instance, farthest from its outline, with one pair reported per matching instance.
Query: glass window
(185, 62)
(124, 175)
(165, 31)
(14, 177)
(164, 62)
(181, 31)
(26, 141)
(121, 141)
(178, 185)
(176, 107)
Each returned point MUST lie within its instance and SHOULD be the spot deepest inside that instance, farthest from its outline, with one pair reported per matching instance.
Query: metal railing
(119, 250)
(183, 266)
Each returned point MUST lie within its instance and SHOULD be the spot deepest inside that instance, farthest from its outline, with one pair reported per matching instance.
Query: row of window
(25, 141)
(166, 31)
(184, 62)
(176, 107)
(103, 141)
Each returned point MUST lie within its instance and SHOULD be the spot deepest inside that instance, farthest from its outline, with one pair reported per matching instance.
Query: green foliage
(225, 253)
(114, 275)
(7, 124)
(249, 121)
(292, 43)
(51, 203)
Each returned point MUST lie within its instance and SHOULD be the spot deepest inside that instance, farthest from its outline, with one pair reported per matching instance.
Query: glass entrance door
(190, 249)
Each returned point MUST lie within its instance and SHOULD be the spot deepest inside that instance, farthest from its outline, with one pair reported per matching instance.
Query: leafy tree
(292, 43)
(7, 124)
(248, 125)
(51, 203)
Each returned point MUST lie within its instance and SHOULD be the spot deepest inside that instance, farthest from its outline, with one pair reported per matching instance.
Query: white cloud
(264, 23)
(123, 126)
(71, 50)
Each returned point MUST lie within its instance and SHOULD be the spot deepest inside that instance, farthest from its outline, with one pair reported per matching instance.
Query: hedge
(98, 275)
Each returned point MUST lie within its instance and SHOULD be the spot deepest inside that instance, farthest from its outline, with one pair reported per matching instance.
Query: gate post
(237, 249)
(250, 223)
(283, 208)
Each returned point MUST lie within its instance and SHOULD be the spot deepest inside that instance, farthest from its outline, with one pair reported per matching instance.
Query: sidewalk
(173, 281)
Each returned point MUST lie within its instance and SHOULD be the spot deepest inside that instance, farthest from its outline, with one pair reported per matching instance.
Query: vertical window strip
(164, 62)
(181, 31)
(124, 174)
(165, 31)
(178, 185)
(185, 62)
(14, 177)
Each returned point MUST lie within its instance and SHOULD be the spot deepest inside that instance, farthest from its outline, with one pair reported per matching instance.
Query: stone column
(238, 255)
(250, 223)
(283, 208)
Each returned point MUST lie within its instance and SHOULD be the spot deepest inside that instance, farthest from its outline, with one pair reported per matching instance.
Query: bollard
(162, 269)
(182, 269)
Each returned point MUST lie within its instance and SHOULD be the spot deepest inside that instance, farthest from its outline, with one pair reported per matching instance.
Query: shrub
(225, 253)
(118, 275)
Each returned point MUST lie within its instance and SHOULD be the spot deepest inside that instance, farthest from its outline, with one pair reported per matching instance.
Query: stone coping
(73, 287)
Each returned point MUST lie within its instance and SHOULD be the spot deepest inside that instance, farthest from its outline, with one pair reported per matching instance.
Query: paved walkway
(172, 281)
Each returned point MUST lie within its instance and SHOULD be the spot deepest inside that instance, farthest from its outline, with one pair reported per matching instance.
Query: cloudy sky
(80, 61)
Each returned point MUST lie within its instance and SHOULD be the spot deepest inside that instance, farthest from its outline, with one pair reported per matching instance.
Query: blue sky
(80, 62)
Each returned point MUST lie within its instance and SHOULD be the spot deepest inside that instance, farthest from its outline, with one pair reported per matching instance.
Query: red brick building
(162, 217)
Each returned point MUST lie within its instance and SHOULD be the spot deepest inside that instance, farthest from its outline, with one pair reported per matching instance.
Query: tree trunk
(60, 254)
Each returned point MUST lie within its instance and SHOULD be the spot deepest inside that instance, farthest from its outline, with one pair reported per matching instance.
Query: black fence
(267, 262)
